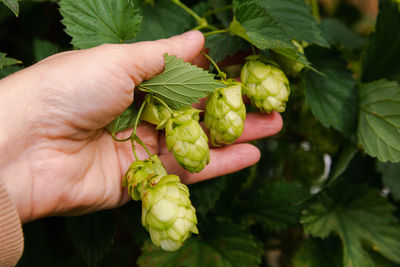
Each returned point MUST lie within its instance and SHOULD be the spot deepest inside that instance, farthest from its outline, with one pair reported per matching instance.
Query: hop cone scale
(167, 212)
(266, 86)
(225, 114)
(186, 139)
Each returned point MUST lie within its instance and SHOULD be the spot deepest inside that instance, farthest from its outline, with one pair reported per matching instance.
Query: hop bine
(186, 139)
(225, 114)
(266, 85)
(167, 212)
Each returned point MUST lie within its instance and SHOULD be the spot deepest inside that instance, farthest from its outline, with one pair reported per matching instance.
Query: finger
(223, 161)
(258, 126)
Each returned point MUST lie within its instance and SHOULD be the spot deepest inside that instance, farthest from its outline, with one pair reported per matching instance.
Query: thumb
(148, 57)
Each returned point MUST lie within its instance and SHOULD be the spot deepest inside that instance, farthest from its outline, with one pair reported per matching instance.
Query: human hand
(56, 157)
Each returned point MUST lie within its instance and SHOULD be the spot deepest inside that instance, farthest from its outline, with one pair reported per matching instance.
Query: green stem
(119, 140)
(315, 9)
(140, 142)
(253, 50)
(200, 20)
(133, 135)
(163, 103)
(216, 10)
(216, 32)
(220, 73)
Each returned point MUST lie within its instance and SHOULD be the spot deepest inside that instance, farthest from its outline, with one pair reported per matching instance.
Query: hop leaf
(356, 214)
(181, 84)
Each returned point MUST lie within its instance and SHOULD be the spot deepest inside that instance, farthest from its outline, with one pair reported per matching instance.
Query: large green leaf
(275, 207)
(124, 121)
(391, 177)
(379, 120)
(296, 18)
(13, 5)
(95, 22)
(222, 244)
(332, 96)
(6, 61)
(382, 57)
(254, 24)
(223, 45)
(336, 32)
(357, 214)
(92, 234)
(161, 20)
(181, 84)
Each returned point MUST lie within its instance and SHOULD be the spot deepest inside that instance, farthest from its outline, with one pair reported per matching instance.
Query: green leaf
(181, 84)
(295, 17)
(255, 25)
(223, 45)
(6, 61)
(92, 234)
(335, 32)
(223, 244)
(124, 121)
(382, 56)
(332, 97)
(94, 22)
(391, 177)
(7, 70)
(43, 49)
(162, 20)
(379, 120)
(357, 214)
(275, 207)
(317, 253)
(13, 5)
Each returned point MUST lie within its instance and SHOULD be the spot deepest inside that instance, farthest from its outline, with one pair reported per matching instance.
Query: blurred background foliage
(249, 218)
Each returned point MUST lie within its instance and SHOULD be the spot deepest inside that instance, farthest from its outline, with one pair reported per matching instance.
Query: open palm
(58, 159)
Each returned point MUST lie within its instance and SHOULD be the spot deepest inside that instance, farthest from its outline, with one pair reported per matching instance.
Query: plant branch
(216, 32)
(220, 73)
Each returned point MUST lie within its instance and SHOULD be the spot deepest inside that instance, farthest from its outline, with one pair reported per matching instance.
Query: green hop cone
(186, 139)
(154, 112)
(167, 212)
(225, 115)
(266, 86)
(291, 67)
(138, 174)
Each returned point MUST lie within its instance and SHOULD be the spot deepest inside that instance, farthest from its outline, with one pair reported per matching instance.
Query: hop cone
(291, 67)
(138, 174)
(167, 212)
(186, 139)
(265, 85)
(225, 114)
(154, 112)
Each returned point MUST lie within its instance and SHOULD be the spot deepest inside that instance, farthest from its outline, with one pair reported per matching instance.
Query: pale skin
(55, 156)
